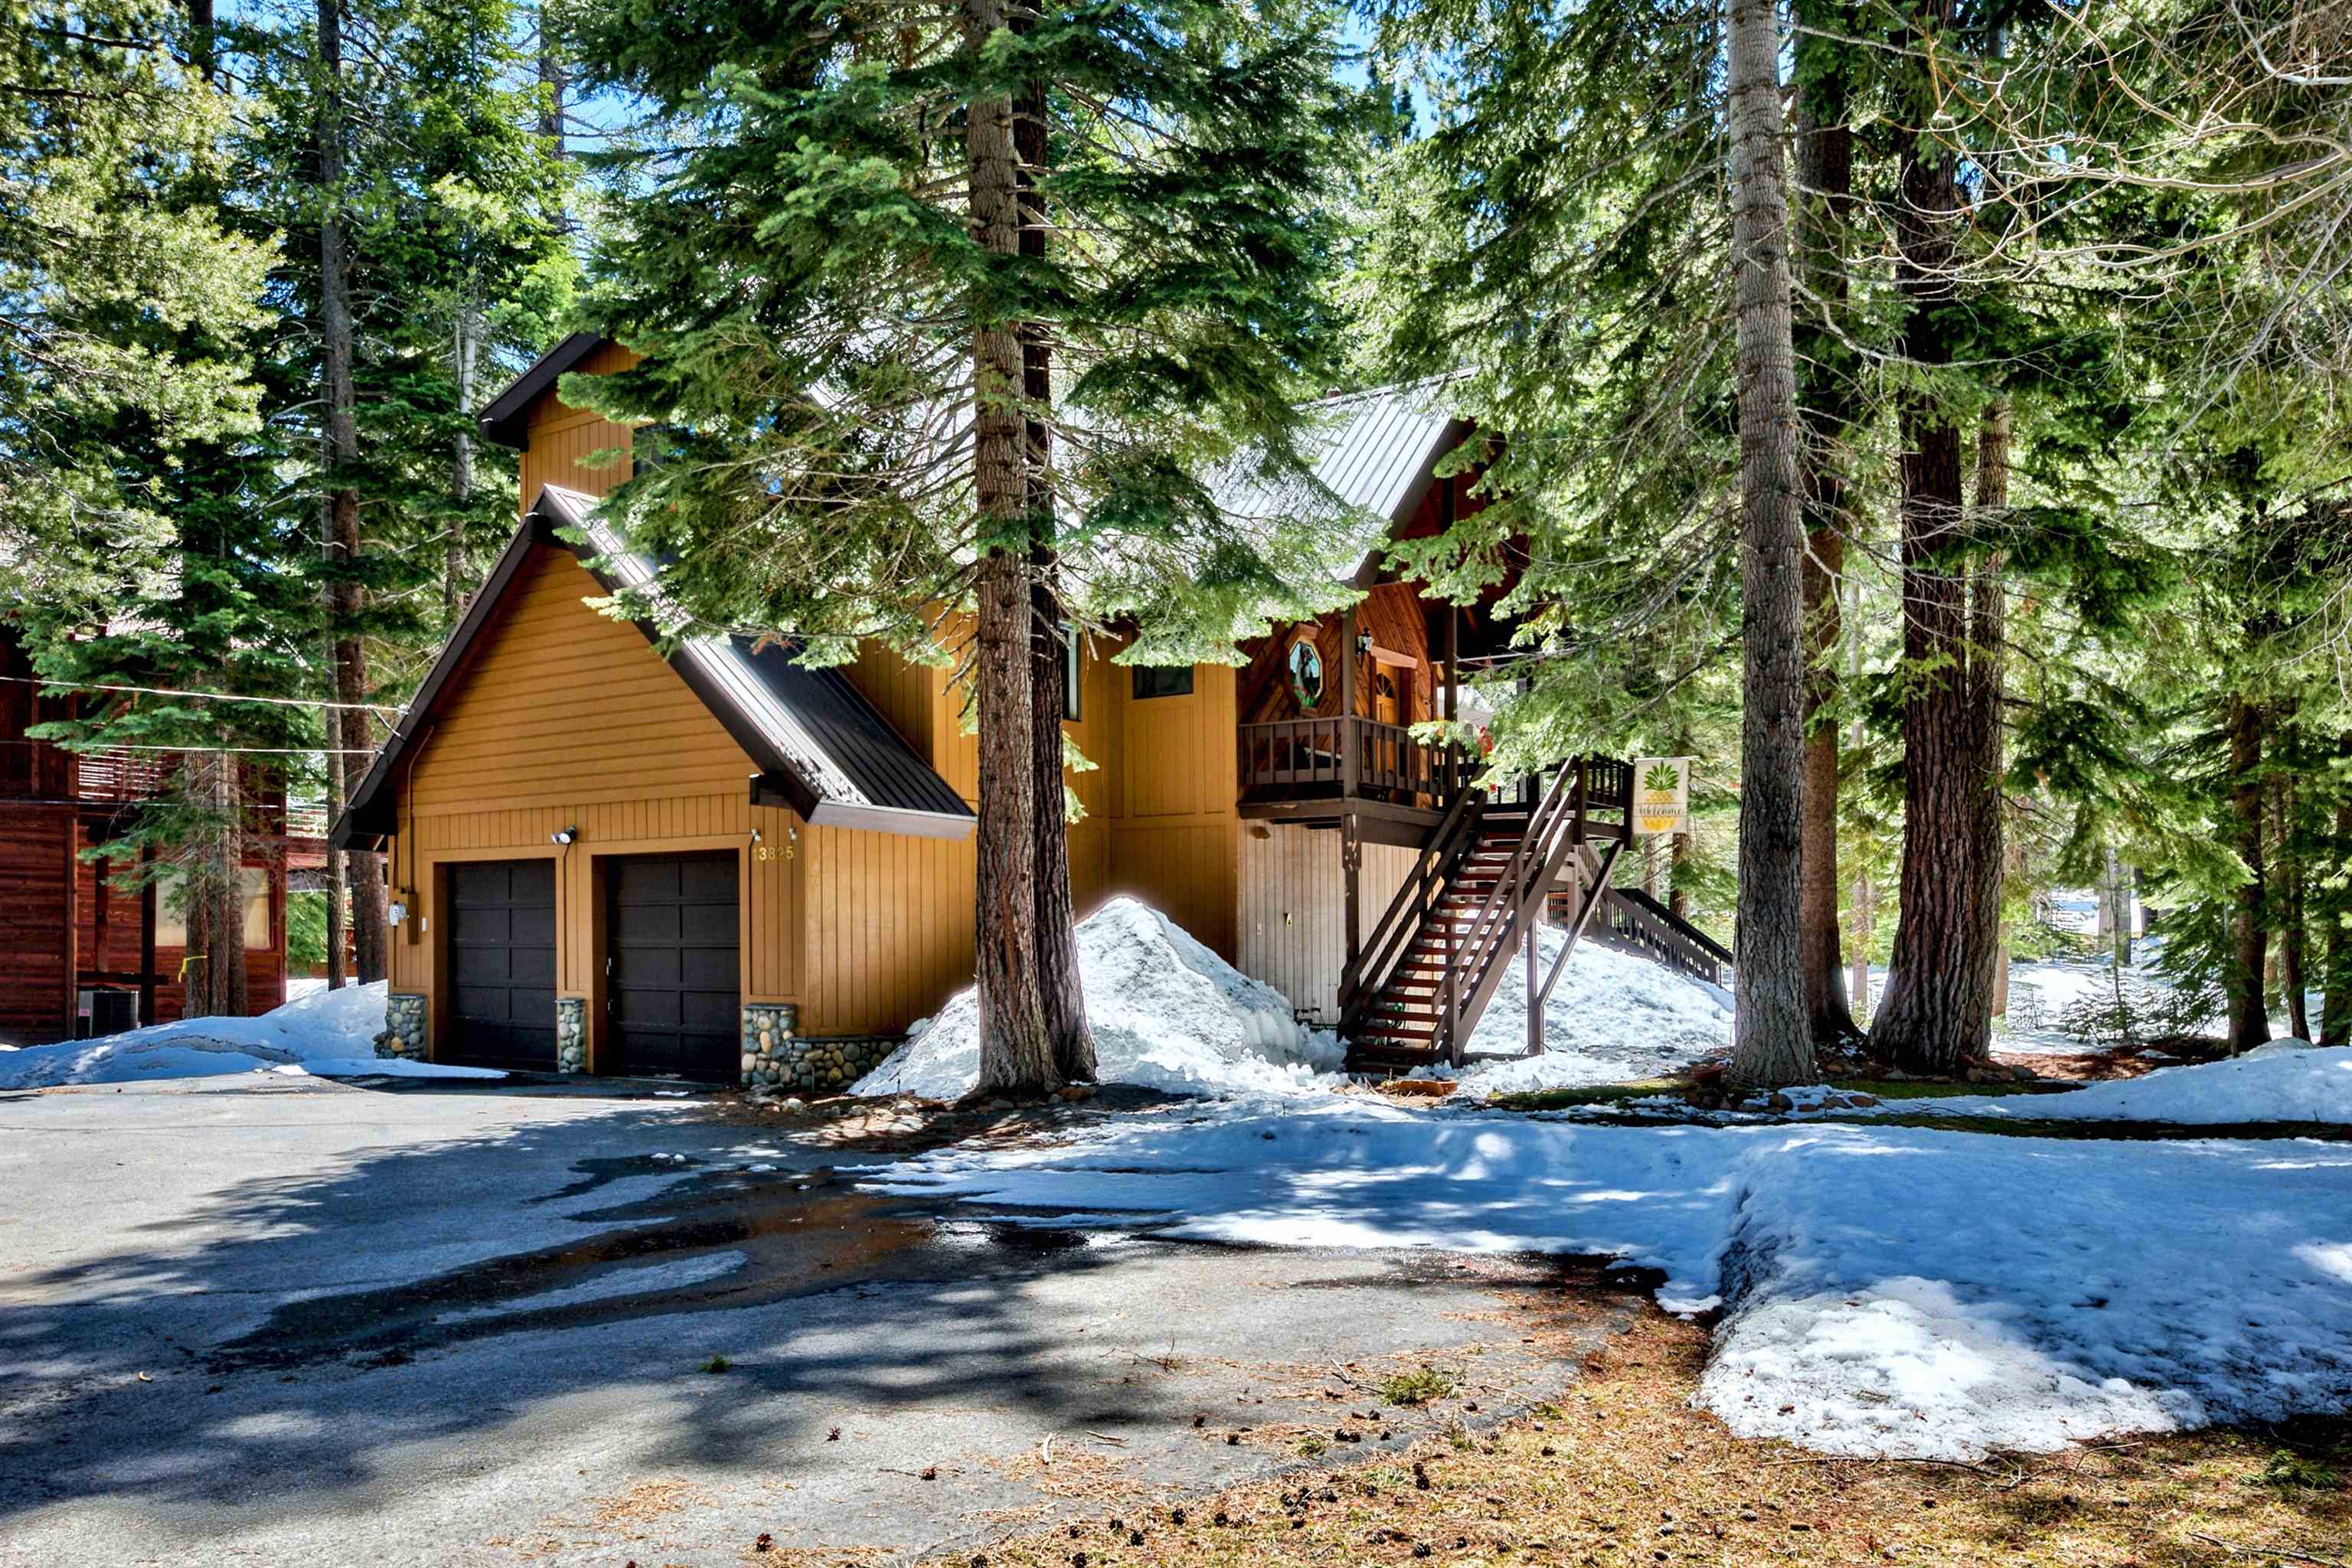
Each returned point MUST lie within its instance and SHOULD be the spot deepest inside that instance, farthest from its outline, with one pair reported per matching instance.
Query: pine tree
(828, 257)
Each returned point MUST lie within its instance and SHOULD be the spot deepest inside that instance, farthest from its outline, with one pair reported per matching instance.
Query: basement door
(502, 964)
(673, 985)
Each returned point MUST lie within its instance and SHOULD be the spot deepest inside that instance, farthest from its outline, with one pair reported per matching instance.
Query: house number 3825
(775, 851)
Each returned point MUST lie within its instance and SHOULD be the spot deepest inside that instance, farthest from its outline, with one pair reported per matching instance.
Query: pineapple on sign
(1661, 796)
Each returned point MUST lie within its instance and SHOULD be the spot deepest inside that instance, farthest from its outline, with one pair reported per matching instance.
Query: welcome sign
(1661, 796)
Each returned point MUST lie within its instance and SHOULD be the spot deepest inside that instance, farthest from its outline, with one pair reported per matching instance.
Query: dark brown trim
(371, 814)
(1457, 430)
(363, 817)
(504, 419)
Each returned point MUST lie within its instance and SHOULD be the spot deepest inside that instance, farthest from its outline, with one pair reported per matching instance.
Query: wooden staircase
(1442, 949)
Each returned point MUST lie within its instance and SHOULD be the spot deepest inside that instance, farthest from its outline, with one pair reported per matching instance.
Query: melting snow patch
(328, 1034)
(1166, 1012)
(2286, 1080)
(1887, 1290)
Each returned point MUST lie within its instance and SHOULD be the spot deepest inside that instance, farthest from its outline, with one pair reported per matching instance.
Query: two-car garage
(672, 966)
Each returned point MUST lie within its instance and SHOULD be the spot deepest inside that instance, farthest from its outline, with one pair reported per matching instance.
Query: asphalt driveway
(272, 1319)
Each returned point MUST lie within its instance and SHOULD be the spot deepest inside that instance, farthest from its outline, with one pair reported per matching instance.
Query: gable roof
(1377, 451)
(505, 421)
(820, 747)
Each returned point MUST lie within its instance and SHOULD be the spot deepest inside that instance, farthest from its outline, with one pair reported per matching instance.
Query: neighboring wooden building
(78, 953)
(725, 864)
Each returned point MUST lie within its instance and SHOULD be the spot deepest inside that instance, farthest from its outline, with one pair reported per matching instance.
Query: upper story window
(1162, 680)
(1306, 666)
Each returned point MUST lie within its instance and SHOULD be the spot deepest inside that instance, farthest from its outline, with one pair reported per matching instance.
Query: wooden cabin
(79, 954)
(723, 864)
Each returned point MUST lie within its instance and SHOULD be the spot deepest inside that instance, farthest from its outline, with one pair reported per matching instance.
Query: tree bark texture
(338, 890)
(465, 351)
(1059, 980)
(2291, 917)
(1827, 406)
(2250, 1019)
(1987, 673)
(1771, 1043)
(2336, 988)
(370, 918)
(1937, 1014)
(1016, 1053)
(213, 884)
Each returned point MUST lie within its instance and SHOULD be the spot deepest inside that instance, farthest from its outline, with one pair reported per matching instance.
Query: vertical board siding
(1294, 911)
(890, 929)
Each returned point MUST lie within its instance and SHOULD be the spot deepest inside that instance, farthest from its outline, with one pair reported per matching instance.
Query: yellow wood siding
(890, 929)
(560, 439)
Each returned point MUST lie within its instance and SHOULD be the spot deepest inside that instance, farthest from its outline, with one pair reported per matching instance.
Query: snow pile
(2286, 1080)
(1167, 1014)
(1612, 1017)
(325, 1033)
(1887, 1290)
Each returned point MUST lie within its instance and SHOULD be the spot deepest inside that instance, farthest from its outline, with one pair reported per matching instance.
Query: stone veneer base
(571, 1033)
(403, 1027)
(774, 1057)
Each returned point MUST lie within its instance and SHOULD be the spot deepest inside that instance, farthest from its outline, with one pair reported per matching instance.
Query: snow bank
(2286, 1080)
(1612, 1017)
(325, 1033)
(1887, 1290)
(1167, 1014)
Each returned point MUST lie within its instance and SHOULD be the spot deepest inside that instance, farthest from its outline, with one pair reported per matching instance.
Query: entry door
(502, 964)
(673, 988)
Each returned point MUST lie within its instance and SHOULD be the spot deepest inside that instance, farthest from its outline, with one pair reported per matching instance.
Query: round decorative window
(1305, 673)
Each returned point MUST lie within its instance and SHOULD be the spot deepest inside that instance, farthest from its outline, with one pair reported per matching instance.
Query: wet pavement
(283, 1321)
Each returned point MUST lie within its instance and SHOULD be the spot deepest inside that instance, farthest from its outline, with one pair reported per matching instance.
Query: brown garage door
(502, 964)
(673, 986)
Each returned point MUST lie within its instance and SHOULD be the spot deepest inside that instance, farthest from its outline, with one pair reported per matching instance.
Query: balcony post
(1351, 736)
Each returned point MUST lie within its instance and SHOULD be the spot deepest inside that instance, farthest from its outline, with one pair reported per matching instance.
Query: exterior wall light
(564, 836)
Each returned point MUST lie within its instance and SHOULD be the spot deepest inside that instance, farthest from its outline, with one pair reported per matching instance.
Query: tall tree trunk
(2250, 1019)
(1828, 402)
(465, 351)
(337, 889)
(1937, 1014)
(1059, 980)
(2336, 987)
(370, 919)
(214, 885)
(553, 79)
(1016, 1052)
(1771, 1044)
(203, 44)
(1988, 675)
(2291, 916)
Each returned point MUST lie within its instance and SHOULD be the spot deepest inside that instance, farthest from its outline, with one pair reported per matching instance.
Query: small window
(1305, 673)
(1162, 680)
(1070, 672)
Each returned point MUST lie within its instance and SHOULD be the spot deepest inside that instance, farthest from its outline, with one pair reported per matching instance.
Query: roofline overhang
(503, 418)
(371, 813)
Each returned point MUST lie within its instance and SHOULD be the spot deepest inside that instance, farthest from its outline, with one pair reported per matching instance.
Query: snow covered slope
(1167, 1014)
(1887, 1290)
(1612, 1017)
(2285, 1080)
(327, 1033)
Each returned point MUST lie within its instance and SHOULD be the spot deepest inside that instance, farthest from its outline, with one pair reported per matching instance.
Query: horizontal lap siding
(564, 718)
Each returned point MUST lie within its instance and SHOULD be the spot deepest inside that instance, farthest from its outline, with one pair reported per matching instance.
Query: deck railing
(122, 776)
(1297, 759)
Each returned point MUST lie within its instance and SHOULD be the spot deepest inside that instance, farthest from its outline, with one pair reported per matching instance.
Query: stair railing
(1449, 843)
(1554, 828)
